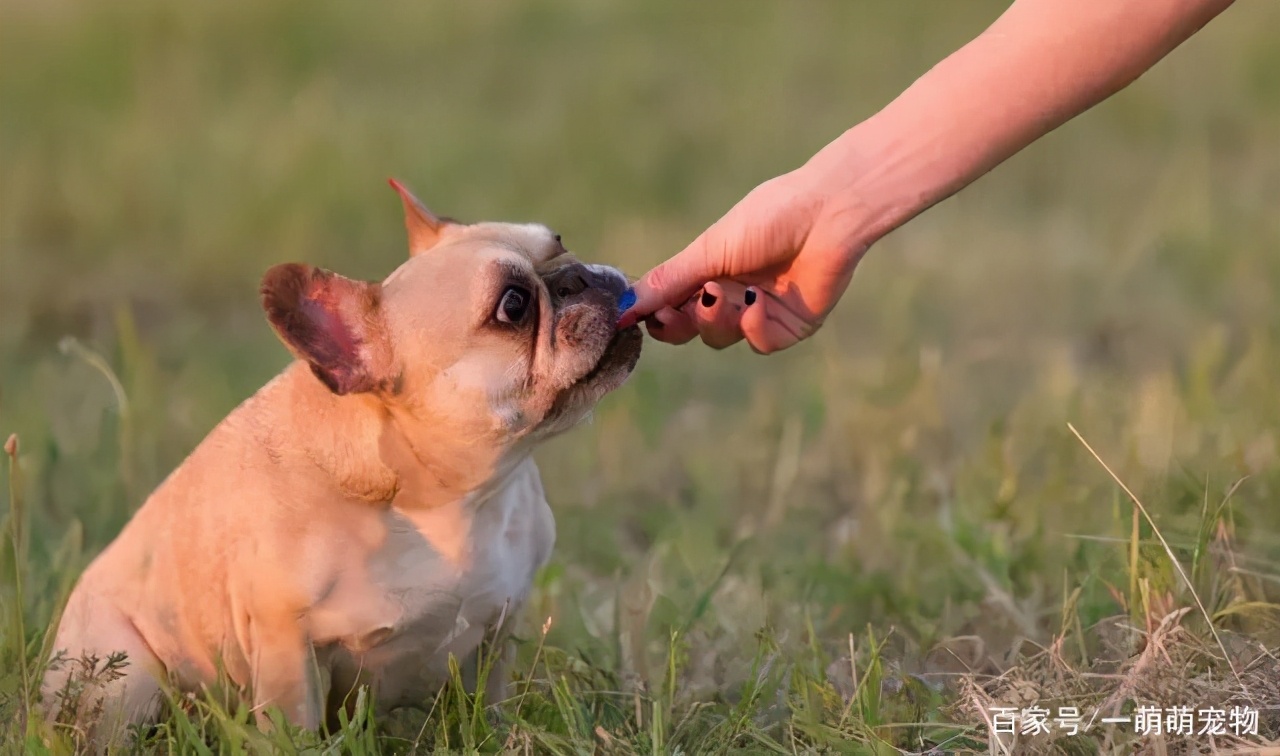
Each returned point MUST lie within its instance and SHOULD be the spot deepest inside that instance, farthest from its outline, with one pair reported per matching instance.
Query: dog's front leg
(286, 674)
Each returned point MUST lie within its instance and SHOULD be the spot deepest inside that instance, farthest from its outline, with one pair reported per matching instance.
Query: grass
(863, 545)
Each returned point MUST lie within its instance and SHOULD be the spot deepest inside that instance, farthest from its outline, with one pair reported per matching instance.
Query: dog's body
(374, 509)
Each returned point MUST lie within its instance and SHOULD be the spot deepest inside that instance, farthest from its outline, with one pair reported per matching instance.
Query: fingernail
(627, 300)
(708, 299)
(749, 297)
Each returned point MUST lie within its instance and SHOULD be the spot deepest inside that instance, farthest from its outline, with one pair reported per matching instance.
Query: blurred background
(908, 468)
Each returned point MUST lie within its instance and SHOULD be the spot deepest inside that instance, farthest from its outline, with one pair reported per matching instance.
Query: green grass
(781, 554)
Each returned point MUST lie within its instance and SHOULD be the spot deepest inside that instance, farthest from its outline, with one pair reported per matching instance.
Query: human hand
(769, 271)
(794, 241)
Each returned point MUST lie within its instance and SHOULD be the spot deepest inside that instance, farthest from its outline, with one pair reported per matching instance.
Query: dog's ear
(333, 323)
(424, 226)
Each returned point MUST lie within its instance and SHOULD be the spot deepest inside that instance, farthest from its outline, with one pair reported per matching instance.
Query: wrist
(862, 195)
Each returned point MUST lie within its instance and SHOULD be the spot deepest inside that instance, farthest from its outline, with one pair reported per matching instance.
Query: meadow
(865, 544)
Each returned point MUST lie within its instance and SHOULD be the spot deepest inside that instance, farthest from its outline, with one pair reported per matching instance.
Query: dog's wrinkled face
(490, 332)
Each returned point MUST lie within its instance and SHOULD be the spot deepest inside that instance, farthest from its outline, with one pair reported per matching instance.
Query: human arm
(796, 239)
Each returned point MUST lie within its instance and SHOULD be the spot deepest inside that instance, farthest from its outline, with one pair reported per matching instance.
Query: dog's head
(489, 332)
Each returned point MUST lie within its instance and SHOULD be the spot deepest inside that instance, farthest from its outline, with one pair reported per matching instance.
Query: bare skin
(772, 269)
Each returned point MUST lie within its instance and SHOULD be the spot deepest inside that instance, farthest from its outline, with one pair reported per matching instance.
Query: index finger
(671, 283)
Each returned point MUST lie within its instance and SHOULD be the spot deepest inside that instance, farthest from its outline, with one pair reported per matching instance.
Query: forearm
(1041, 64)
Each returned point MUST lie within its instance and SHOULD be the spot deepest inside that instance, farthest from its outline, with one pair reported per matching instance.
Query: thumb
(671, 283)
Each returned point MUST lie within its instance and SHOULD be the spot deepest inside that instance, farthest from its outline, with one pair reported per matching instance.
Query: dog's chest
(437, 579)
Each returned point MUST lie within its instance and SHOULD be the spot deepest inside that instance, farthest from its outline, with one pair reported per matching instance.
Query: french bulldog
(372, 510)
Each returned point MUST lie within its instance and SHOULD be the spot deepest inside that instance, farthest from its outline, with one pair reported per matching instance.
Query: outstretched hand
(774, 266)
(769, 271)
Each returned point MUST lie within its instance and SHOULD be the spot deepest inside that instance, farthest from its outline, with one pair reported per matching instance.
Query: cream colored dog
(373, 509)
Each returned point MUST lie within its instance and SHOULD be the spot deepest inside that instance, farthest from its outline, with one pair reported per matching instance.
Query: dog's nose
(574, 279)
(610, 279)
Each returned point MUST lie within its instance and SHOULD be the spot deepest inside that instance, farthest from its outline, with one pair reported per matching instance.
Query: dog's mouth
(584, 324)
(616, 362)
(623, 351)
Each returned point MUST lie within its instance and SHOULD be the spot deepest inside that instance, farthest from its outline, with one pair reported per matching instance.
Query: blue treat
(627, 301)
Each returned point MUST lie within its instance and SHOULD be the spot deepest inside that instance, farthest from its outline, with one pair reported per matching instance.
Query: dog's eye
(514, 305)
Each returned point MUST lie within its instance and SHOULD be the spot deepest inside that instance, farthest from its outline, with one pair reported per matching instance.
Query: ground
(872, 542)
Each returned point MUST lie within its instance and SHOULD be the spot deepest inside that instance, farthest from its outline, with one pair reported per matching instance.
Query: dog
(374, 509)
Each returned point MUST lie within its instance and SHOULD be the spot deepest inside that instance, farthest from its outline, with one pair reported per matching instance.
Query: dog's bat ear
(423, 225)
(331, 322)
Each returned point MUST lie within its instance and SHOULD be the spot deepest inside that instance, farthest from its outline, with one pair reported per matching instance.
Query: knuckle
(764, 342)
(660, 277)
(721, 252)
(721, 340)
